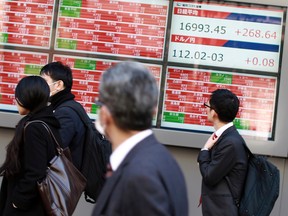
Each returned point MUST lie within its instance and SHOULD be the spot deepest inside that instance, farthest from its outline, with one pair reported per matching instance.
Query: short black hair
(59, 71)
(225, 103)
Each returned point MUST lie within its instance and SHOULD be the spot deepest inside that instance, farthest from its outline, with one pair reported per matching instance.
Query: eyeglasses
(206, 105)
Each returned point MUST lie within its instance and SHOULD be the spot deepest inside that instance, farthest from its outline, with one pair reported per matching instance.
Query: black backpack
(261, 188)
(96, 153)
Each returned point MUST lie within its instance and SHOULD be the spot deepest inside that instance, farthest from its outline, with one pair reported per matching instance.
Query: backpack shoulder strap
(78, 108)
(248, 150)
(236, 199)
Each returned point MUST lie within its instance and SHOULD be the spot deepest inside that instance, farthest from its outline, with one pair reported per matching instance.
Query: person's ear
(155, 112)
(214, 114)
(105, 115)
(60, 85)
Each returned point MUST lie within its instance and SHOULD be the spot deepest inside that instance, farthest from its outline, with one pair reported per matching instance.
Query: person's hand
(211, 141)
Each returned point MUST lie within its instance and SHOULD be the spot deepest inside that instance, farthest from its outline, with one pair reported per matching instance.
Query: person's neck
(119, 136)
(61, 97)
(218, 124)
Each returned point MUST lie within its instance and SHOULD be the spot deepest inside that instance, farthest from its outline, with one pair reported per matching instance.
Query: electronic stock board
(191, 47)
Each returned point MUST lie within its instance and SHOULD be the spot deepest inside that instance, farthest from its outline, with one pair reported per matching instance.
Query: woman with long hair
(29, 152)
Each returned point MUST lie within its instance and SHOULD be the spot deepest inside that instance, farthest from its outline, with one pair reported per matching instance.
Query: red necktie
(200, 201)
(109, 171)
(214, 136)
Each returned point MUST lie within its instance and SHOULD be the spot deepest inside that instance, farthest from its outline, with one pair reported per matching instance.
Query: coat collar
(227, 131)
(111, 182)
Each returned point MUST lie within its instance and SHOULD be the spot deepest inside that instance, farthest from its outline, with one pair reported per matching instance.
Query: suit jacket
(147, 182)
(227, 157)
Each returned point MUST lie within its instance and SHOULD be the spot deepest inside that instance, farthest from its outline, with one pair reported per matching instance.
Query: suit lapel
(112, 181)
(107, 191)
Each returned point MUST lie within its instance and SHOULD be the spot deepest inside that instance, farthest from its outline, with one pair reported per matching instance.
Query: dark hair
(225, 103)
(33, 94)
(58, 71)
(130, 92)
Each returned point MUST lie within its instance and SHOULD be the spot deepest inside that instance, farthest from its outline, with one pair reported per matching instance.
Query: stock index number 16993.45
(206, 28)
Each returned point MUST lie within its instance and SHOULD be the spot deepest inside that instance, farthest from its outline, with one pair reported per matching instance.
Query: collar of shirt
(223, 128)
(124, 148)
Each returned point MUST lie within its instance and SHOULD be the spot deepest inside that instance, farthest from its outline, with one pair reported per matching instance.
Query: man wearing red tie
(146, 179)
(223, 157)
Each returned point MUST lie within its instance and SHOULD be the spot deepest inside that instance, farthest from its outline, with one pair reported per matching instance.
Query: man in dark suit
(146, 179)
(223, 159)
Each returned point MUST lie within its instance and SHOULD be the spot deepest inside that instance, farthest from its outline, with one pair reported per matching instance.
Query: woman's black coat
(36, 150)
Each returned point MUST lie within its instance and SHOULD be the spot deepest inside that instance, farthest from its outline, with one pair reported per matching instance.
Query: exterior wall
(187, 158)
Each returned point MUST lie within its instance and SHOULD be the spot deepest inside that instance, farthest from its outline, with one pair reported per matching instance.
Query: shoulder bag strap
(45, 125)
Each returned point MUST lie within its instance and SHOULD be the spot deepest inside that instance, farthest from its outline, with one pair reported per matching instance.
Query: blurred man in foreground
(146, 179)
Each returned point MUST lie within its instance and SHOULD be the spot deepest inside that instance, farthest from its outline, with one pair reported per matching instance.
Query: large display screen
(126, 28)
(191, 47)
(229, 36)
(187, 90)
(87, 73)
